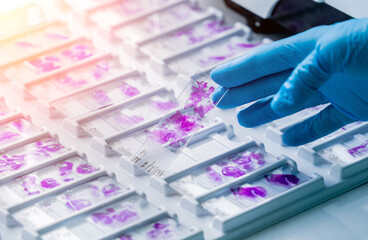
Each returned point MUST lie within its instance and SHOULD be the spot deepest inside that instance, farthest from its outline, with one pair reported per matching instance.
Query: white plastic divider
(77, 215)
(49, 110)
(133, 48)
(289, 197)
(341, 171)
(73, 125)
(42, 132)
(130, 167)
(41, 52)
(5, 213)
(72, 152)
(162, 185)
(160, 65)
(15, 115)
(194, 234)
(22, 88)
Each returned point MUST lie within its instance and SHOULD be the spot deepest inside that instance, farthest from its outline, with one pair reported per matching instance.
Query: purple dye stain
(78, 52)
(66, 169)
(65, 80)
(160, 231)
(110, 190)
(178, 126)
(249, 192)
(24, 44)
(78, 204)
(129, 90)
(356, 151)
(49, 183)
(11, 163)
(101, 97)
(8, 135)
(210, 29)
(163, 106)
(100, 70)
(214, 176)
(29, 185)
(282, 179)
(46, 65)
(232, 171)
(110, 216)
(128, 120)
(86, 169)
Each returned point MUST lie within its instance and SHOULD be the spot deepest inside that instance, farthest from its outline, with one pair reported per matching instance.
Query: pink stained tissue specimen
(231, 51)
(8, 136)
(175, 128)
(128, 120)
(248, 161)
(48, 64)
(287, 180)
(249, 192)
(232, 171)
(86, 169)
(40, 151)
(163, 106)
(129, 90)
(101, 97)
(70, 82)
(160, 231)
(113, 217)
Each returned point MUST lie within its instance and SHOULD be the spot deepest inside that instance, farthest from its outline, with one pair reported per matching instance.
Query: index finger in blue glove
(251, 91)
(267, 59)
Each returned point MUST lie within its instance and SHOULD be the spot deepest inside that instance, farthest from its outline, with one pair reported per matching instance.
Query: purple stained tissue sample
(356, 151)
(160, 231)
(248, 160)
(65, 80)
(86, 169)
(129, 90)
(232, 50)
(126, 237)
(101, 97)
(111, 216)
(56, 36)
(163, 106)
(178, 126)
(282, 179)
(212, 28)
(100, 70)
(232, 171)
(24, 44)
(49, 183)
(213, 175)
(8, 135)
(249, 192)
(95, 193)
(128, 120)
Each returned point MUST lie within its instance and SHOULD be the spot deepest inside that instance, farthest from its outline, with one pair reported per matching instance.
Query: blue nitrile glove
(327, 64)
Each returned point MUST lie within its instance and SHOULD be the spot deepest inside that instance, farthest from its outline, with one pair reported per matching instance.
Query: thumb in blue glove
(327, 64)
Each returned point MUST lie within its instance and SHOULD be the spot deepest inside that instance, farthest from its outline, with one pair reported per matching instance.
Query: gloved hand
(327, 64)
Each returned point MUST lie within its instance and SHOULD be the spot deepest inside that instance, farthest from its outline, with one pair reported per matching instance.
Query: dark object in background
(294, 16)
